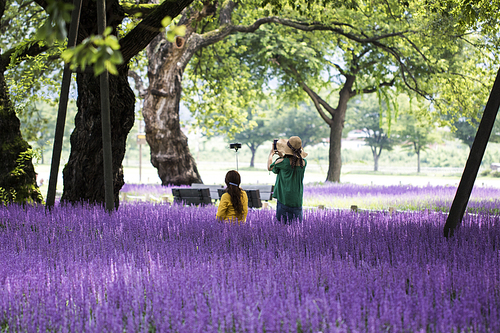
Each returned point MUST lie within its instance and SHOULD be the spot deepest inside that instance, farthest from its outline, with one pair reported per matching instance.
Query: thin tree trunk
(418, 160)
(252, 159)
(375, 159)
(336, 128)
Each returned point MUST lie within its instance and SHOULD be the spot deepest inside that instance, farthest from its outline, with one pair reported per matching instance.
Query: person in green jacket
(289, 168)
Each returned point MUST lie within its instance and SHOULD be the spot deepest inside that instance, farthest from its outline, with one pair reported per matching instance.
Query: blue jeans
(286, 214)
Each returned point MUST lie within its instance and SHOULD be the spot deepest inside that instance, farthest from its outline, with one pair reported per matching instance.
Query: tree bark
(167, 61)
(418, 160)
(336, 128)
(170, 153)
(17, 174)
(83, 175)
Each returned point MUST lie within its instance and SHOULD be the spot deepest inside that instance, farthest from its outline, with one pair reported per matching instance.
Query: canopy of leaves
(390, 46)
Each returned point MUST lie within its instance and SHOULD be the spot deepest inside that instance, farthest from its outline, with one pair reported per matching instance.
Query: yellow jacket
(226, 210)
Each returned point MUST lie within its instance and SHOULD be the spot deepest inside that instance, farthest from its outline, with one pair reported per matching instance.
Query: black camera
(274, 144)
(236, 145)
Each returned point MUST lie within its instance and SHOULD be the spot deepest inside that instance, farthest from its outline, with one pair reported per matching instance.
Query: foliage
(465, 129)
(97, 51)
(30, 77)
(367, 116)
(416, 136)
(54, 27)
(257, 130)
(21, 191)
(219, 87)
(301, 120)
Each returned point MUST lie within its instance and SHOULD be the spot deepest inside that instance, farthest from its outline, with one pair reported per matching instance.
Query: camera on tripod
(235, 146)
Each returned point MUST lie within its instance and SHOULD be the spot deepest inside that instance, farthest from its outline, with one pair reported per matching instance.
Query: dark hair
(297, 157)
(234, 191)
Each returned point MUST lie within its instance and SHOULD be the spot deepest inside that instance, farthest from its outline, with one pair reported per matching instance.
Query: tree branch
(139, 84)
(23, 51)
(140, 9)
(317, 100)
(370, 90)
(137, 39)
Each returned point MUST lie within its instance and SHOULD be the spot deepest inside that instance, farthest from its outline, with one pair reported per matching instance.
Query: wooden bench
(266, 191)
(192, 196)
(214, 194)
(253, 198)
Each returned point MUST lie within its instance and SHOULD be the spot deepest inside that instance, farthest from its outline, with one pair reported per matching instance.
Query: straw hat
(295, 142)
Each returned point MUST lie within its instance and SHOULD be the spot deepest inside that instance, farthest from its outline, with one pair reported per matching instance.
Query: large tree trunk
(83, 175)
(17, 174)
(169, 146)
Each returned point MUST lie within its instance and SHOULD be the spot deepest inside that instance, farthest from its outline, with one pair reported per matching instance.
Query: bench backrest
(253, 198)
(192, 196)
(266, 191)
(213, 189)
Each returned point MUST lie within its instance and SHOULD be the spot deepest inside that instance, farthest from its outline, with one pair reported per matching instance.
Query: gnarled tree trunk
(170, 153)
(83, 175)
(168, 144)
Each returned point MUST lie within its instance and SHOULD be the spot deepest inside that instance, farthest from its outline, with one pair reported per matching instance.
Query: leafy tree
(258, 130)
(416, 135)
(274, 121)
(345, 50)
(218, 88)
(17, 174)
(298, 120)
(365, 115)
(465, 130)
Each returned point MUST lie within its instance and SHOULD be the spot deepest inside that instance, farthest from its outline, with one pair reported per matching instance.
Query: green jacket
(289, 186)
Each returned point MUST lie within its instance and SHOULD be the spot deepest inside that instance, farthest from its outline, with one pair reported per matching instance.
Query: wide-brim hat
(295, 142)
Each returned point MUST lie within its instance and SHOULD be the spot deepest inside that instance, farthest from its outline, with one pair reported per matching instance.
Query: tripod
(235, 146)
(236, 154)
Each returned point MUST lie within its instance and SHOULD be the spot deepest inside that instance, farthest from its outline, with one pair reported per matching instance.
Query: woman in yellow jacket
(233, 204)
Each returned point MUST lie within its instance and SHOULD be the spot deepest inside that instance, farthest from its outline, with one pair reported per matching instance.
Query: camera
(236, 145)
(274, 144)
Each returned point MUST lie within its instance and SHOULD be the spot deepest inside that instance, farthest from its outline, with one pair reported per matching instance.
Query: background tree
(257, 131)
(416, 135)
(297, 119)
(281, 121)
(341, 50)
(366, 115)
(465, 130)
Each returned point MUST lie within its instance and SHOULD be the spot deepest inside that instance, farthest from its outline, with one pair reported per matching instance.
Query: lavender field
(167, 268)
(343, 196)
